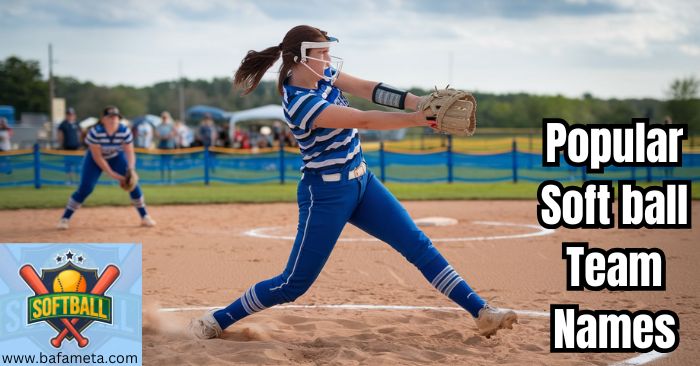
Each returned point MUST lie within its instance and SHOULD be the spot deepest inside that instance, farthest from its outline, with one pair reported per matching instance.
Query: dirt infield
(201, 256)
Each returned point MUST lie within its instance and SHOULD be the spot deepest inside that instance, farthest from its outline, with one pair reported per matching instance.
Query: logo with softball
(69, 298)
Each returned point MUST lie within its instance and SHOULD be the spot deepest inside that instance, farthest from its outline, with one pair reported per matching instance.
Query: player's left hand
(452, 111)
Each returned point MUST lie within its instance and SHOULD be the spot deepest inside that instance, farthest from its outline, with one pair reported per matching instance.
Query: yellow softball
(69, 281)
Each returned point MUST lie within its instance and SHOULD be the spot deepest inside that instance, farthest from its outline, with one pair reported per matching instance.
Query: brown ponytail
(255, 64)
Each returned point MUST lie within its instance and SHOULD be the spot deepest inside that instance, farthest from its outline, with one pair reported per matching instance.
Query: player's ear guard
(387, 95)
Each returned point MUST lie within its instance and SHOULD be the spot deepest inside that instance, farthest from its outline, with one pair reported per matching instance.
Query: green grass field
(56, 196)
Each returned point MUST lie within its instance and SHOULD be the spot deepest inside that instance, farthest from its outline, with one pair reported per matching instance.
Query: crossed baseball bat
(109, 275)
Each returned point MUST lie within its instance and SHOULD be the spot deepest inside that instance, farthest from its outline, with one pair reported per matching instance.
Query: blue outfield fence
(40, 167)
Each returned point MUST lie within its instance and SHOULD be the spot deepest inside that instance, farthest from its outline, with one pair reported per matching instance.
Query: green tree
(685, 89)
(21, 86)
(684, 105)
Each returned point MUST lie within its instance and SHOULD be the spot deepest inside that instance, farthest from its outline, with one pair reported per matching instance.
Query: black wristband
(389, 96)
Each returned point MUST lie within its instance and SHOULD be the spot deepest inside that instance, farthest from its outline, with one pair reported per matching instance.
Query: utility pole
(51, 97)
(181, 91)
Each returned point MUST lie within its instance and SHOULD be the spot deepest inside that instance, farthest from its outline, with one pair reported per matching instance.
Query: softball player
(336, 187)
(110, 150)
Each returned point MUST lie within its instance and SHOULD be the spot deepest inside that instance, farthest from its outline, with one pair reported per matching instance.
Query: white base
(435, 221)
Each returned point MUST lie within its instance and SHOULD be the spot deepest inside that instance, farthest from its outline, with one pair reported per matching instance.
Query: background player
(69, 139)
(336, 186)
(110, 150)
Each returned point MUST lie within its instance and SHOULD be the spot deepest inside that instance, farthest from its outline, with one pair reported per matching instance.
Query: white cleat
(492, 319)
(147, 221)
(205, 327)
(63, 224)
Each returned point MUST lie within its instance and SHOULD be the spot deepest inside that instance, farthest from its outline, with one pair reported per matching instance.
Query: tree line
(23, 86)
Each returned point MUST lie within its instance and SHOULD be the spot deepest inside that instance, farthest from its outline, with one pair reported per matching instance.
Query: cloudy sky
(616, 48)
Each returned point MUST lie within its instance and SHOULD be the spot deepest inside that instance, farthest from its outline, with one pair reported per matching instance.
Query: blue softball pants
(89, 177)
(324, 209)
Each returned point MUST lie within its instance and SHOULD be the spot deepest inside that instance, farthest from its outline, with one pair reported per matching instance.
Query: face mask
(335, 63)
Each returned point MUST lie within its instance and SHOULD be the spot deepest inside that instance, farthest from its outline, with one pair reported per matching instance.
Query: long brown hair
(255, 64)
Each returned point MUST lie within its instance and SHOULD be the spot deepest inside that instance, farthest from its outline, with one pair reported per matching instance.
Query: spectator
(5, 135)
(143, 132)
(266, 137)
(183, 135)
(206, 133)
(69, 132)
(165, 132)
(277, 133)
(224, 138)
(240, 139)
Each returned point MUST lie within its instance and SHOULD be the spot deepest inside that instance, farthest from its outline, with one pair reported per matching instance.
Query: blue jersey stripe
(345, 148)
(301, 107)
(312, 141)
(307, 112)
(110, 146)
(331, 148)
(296, 103)
(341, 157)
(314, 111)
(343, 135)
(306, 138)
(326, 150)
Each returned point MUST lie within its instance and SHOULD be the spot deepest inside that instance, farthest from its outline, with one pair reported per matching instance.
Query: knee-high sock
(258, 297)
(247, 304)
(446, 280)
(138, 201)
(71, 206)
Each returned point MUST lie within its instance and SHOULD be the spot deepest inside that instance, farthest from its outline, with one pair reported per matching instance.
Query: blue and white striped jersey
(326, 150)
(110, 145)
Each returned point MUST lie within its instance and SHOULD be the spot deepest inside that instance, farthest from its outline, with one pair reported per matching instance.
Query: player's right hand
(117, 177)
